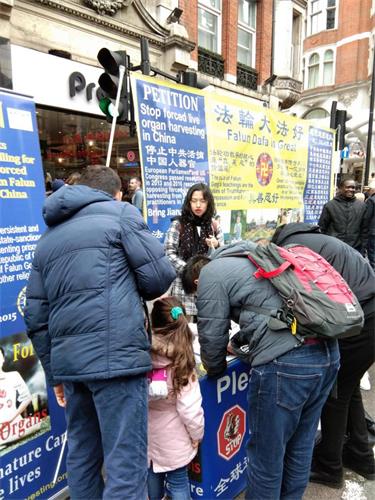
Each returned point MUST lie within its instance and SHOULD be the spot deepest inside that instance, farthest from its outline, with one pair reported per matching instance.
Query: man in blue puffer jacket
(85, 318)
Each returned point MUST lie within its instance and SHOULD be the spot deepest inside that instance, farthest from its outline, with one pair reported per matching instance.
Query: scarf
(191, 242)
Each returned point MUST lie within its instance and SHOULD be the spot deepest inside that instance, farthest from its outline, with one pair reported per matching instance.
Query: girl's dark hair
(178, 340)
(187, 214)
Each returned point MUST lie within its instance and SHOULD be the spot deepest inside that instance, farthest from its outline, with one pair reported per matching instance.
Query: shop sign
(54, 81)
(231, 432)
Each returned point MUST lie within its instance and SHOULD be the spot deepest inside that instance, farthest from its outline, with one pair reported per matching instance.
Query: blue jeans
(285, 399)
(178, 485)
(107, 425)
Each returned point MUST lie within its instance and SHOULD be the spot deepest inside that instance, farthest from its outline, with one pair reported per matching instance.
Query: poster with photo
(32, 426)
(24, 411)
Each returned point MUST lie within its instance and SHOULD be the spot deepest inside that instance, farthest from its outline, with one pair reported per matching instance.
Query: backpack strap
(262, 273)
(278, 319)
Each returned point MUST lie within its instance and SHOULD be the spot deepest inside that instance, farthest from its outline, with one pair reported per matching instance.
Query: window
(328, 67)
(316, 113)
(320, 68)
(209, 20)
(316, 16)
(70, 141)
(304, 72)
(246, 32)
(322, 15)
(296, 45)
(331, 14)
(313, 71)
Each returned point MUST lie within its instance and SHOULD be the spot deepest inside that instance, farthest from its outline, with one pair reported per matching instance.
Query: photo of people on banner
(23, 394)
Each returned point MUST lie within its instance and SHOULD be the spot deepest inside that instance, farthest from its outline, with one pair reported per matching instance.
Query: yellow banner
(257, 157)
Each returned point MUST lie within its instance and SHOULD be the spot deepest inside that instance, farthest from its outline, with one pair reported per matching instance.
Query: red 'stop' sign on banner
(231, 432)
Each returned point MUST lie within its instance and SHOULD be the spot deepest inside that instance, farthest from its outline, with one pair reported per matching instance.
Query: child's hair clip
(176, 312)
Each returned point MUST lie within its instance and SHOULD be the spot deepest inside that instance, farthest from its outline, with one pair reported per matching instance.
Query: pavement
(355, 486)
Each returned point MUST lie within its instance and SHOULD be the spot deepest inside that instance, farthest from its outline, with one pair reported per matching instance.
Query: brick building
(337, 60)
(48, 50)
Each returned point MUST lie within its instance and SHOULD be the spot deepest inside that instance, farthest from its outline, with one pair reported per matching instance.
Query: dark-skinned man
(344, 217)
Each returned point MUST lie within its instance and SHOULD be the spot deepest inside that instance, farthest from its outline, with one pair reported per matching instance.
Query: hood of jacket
(293, 228)
(234, 249)
(68, 200)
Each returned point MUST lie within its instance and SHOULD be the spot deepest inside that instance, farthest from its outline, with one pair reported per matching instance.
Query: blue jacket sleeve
(153, 271)
(36, 319)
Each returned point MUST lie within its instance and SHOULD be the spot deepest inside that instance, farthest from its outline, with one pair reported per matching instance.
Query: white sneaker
(365, 382)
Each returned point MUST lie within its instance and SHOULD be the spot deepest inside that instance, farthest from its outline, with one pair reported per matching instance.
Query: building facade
(338, 53)
(48, 49)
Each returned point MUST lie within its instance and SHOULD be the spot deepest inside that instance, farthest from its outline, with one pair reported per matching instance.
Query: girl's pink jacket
(173, 423)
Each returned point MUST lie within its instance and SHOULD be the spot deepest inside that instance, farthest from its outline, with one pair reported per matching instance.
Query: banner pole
(60, 459)
(114, 120)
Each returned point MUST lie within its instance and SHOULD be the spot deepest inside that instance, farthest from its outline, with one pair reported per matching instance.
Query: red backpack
(317, 300)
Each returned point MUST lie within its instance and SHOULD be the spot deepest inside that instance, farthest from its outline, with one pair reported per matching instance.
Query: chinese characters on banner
(264, 167)
(318, 173)
(173, 141)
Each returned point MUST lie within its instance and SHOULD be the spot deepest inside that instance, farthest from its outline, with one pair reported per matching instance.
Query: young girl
(176, 423)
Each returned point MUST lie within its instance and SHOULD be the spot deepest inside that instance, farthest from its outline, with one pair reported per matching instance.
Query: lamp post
(370, 120)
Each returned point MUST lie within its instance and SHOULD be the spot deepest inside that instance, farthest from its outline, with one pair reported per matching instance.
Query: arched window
(313, 69)
(328, 68)
(316, 113)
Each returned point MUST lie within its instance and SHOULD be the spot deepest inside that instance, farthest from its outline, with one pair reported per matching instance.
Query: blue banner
(219, 469)
(173, 141)
(32, 426)
(319, 173)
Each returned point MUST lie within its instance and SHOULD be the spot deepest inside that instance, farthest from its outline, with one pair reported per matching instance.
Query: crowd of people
(127, 379)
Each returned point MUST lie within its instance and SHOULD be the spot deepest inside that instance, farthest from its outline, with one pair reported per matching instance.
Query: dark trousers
(107, 425)
(345, 414)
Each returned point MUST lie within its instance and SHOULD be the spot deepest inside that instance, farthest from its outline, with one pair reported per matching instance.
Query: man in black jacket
(344, 413)
(370, 214)
(289, 381)
(345, 217)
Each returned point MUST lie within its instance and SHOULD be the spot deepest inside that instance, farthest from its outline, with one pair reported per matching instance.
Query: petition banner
(263, 167)
(32, 426)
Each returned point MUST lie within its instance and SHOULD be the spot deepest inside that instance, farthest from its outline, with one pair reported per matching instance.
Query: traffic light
(338, 120)
(190, 78)
(109, 83)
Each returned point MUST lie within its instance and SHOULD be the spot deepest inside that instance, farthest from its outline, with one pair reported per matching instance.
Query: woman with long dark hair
(193, 232)
(176, 421)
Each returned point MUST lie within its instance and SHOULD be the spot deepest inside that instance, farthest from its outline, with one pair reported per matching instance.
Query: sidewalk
(355, 486)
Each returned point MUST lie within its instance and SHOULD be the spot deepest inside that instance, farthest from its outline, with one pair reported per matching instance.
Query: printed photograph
(24, 411)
